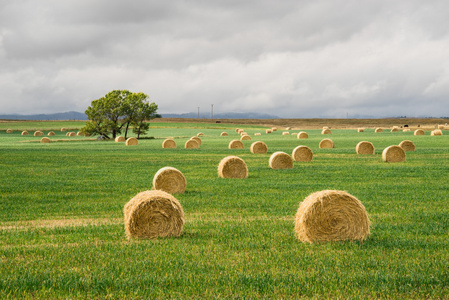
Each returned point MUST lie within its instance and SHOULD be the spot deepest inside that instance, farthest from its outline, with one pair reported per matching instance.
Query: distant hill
(230, 115)
(71, 115)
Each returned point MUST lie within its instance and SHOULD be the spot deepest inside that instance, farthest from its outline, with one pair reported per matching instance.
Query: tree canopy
(119, 110)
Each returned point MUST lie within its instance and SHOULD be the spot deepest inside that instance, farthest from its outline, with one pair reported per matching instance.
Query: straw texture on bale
(326, 131)
(326, 143)
(302, 135)
(393, 154)
(394, 129)
(197, 139)
(329, 215)
(200, 134)
(51, 133)
(170, 180)
(153, 214)
(45, 140)
(9, 130)
(419, 132)
(364, 147)
(378, 130)
(38, 133)
(237, 130)
(407, 145)
(191, 144)
(245, 138)
(168, 143)
(232, 167)
(235, 144)
(224, 134)
(268, 131)
(120, 139)
(302, 153)
(258, 147)
(285, 133)
(280, 160)
(360, 130)
(24, 132)
(63, 129)
(132, 141)
(72, 133)
(436, 132)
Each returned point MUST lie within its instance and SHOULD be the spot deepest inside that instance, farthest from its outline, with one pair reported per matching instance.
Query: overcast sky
(290, 58)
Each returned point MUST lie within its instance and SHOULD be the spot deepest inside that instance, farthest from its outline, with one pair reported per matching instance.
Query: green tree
(144, 112)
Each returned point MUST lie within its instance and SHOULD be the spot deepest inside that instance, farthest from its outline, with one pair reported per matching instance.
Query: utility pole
(212, 111)
(198, 112)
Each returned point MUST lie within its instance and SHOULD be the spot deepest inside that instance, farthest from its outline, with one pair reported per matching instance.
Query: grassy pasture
(62, 232)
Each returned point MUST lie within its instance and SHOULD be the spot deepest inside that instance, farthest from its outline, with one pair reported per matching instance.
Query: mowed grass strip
(62, 233)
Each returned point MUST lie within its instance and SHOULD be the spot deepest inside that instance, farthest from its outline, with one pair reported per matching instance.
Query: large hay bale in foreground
(364, 147)
(168, 144)
(393, 154)
(197, 139)
(378, 130)
(436, 132)
(120, 139)
(280, 160)
(245, 138)
(302, 135)
(170, 180)
(38, 133)
(419, 132)
(45, 140)
(224, 134)
(24, 132)
(51, 133)
(326, 131)
(329, 216)
(9, 131)
(407, 145)
(232, 167)
(302, 153)
(132, 141)
(235, 144)
(153, 214)
(258, 147)
(191, 144)
(326, 143)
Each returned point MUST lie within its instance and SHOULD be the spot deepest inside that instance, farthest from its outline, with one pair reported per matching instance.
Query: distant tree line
(117, 111)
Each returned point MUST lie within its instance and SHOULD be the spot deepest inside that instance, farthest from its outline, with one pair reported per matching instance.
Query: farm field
(62, 229)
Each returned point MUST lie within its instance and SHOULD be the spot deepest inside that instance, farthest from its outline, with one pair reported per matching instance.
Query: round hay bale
(224, 134)
(407, 145)
(285, 133)
(200, 134)
(51, 133)
(302, 135)
(191, 144)
(67, 134)
(243, 133)
(394, 129)
(168, 143)
(326, 131)
(257, 134)
(72, 133)
(45, 140)
(288, 128)
(79, 133)
(280, 160)
(329, 215)
(274, 129)
(63, 129)
(245, 138)
(393, 154)
(268, 131)
(153, 214)
(360, 130)
(24, 132)
(132, 141)
(9, 131)
(419, 132)
(232, 167)
(258, 147)
(302, 153)
(38, 133)
(235, 144)
(237, 130)
(197, 139)
(364, 147)
(378, 130)
(170, 180)
(326, 143)
(436, 132)
(119, 139)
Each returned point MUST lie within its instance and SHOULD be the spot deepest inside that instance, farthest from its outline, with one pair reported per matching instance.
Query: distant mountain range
(73, 115)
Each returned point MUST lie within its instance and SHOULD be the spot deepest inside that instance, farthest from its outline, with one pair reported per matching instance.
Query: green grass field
(62, 231)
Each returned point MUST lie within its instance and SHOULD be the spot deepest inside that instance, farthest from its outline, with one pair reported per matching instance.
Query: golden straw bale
(257, 134)
(285, 133)
(280, 160)
(326, 131)
(407, 145)
(153, 214)
(245, 138)
(170, 180)
(200, 134)
(51, 133)
(243, 133)
(364, 147)
(419, 132)
(120, 139)
(9, 131)
(436, 132)
(258, 147)
(326, 143)
(38, 133)
(440, 127)
(224, 134)
(72, 133)
(232, 167)
(132, 141)
(24, 132)
(378, 130)
(237, 130)
(191, 144)
(168, 143)
(329, 216)
(394, 129)
(302, 153)
(197, 139)
(268, 131)
(302, 135)
(79, 133)
(63, 129)
(360, 130)
(235, 144)
(393, 154)
(240, 131)
(45, 140)
(288, 128)
(274, 129)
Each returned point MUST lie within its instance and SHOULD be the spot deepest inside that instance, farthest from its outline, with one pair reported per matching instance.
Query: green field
(62, 231)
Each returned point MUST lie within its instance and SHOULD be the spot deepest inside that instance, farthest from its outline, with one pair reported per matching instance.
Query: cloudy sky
(290, 58)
